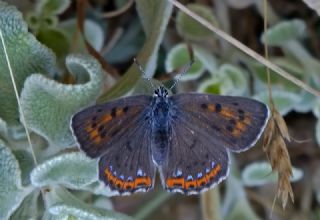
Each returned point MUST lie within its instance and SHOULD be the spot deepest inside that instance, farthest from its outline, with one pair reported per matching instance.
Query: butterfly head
(161, 92)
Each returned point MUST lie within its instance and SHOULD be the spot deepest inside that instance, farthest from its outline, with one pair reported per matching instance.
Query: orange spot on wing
(241, 126)
(142, 181)
(112, 179)
(191, 184)
(119, 112)
(202, 181)
(105, 118)
(247, 120)
(94, 135)
(127, 185)
(227, 113)
(174, 182)
(196, 184)
(213, 172)
(211, 108)
(119, 183)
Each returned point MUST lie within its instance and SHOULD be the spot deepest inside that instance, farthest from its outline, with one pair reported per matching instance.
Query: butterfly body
(160, 120)
(186, 137)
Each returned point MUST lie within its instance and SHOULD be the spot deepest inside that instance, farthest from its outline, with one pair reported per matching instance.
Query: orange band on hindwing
(197, 184)
(129, 185)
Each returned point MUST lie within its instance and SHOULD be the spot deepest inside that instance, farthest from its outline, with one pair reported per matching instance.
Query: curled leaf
(178, 56)
(12, 192)
(60, 202)
(284, 32)
(26, 56)
(48, 105)
(73, 170)
(260, 173)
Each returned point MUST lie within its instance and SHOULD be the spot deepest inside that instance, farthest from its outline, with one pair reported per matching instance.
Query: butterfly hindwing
(234, 122)
(127, 166)
(195, 163)
(96, 128)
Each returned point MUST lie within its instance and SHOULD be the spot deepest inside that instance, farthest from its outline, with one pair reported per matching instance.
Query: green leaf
(260, 173)
(154, 15)
(55, 40)
(93, 32)
(37, 22)
(26, 163)
(191, 29)
(211, 86)
(30, 208)
(130, 41)
(3, 129)
(63, 203)
(284, 101)
(26, 56)
(284, 32)
(307, 101)
(236, 205)
(99, 188)
(49, 105)
(242, 210)
(52, 7)
(234, 82)
(73, 170)
(11, 190)
(206, 57)
(288, 64)
(316, 108)
(178, 56)
(228, 80)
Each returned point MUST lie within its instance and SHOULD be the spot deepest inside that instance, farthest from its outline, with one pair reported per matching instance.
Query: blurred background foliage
(66, 55)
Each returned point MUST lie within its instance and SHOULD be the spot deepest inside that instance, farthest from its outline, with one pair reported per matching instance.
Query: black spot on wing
(103, 134)
(100, 128)
(125, 109)
(204, 106)
(113, 112)
(229, 128)
(129, 147)
(218, 107)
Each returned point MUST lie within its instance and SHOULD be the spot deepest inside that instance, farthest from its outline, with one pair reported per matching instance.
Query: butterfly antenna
(185, 69)
(144, 76)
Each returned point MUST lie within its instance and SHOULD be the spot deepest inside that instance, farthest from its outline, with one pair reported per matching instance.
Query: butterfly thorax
(160, 125)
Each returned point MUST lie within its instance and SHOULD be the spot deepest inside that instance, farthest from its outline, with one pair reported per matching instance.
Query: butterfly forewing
(96, 128)
(232, 122)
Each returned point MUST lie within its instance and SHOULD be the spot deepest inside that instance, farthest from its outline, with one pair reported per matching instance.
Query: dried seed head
(276, 150)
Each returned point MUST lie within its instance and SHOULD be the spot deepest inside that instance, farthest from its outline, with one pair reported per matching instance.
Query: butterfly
(186, 137)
